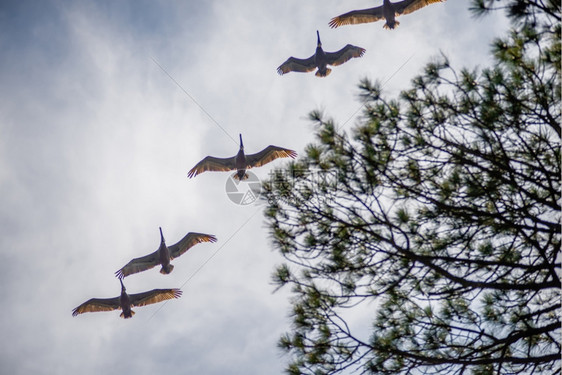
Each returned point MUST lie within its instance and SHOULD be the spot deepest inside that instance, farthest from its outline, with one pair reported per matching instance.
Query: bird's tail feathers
(166, 270)
(245, 177)
(391, 26)
(323, 74)
(127, 316)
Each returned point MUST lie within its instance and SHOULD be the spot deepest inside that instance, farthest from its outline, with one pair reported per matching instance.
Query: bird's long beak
(241, 144)
(122, 286)
(319, 42)
(161, 235)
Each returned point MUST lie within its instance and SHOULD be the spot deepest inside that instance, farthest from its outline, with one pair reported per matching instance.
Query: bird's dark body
(241, 163)
(321, 61)
(125, 303)
(164, 255)
(389, 14)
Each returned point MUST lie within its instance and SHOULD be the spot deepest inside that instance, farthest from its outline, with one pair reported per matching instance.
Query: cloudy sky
(96, 140)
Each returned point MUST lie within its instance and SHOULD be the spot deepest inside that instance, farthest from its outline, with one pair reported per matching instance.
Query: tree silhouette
(438, 218)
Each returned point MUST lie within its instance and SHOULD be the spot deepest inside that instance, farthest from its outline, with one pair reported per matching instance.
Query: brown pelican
(164, 254)
(320, 59)
(241, 162)
(387, 11)
(126, 301)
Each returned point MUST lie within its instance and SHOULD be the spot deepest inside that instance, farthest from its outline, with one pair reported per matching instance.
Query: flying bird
(164, 254)
(126, 301)
(241, 162)
(320, 59)
(387, 11)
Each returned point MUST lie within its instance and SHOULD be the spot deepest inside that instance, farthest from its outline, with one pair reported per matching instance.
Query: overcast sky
(96, 141)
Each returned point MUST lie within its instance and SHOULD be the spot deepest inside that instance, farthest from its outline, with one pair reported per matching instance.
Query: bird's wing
(97, 304)
(188, 241)
(344, 54)
(138, 265)
(409, 6)
(268, 154)
(153, 296)
(297, 65)
(357, 16)
(210, 163)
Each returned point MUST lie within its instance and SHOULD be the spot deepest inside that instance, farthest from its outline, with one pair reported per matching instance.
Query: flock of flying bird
(240, 162)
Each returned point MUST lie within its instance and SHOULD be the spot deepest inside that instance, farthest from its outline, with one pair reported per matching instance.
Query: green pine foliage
(439, 215)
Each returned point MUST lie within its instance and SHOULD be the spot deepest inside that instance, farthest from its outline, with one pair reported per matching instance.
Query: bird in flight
(126, 301)
(387, 11)
(164, 254)
(320, 60)
(241, 161)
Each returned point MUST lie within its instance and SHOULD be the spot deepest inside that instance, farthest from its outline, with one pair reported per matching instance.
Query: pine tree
(438, 216)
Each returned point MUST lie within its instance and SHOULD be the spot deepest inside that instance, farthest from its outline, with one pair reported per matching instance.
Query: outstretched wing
(97, 304)
(138, 265)
(357, 16)
(153, 296)
(297, 65)
(188, 241)
(344, 54)
(268, 154)
(210, 163)
(409, 6)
